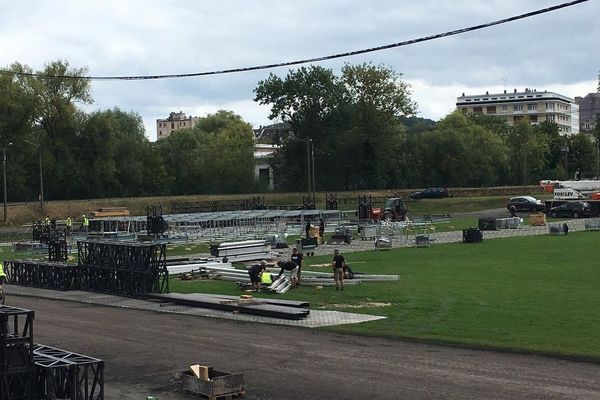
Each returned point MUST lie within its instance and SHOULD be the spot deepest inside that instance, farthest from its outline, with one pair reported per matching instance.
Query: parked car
(573, 209)
(430, 193)
(525, 203)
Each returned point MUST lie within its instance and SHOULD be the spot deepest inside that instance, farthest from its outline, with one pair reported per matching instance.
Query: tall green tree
(460, 152)
(581, 155)
(528, 149)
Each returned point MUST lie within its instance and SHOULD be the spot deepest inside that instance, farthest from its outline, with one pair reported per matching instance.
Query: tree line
(365, 136)
(361, 122)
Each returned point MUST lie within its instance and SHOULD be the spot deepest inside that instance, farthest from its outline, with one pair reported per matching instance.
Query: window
(172, 125)
(549, 106)
(532, 107)
(491, 110)
(518, 107)
(504, 107)
(533, 118)
(477, 109)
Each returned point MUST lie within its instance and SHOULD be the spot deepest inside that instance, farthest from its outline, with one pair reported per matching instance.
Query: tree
(353, 121)
(309, 101)
(216, 156)
(528, 150)
(459, 152)
(581, 155)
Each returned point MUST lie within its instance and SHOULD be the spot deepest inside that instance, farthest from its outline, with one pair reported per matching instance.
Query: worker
(513, 211)
(307, 228)
(255, 272)
(292, 268)
(338, 264)
(2, 275)
(47, 221)
(69, 224)
(85, 223)
(321, 229)
(566, 228)
(298, 259)
(266, 278)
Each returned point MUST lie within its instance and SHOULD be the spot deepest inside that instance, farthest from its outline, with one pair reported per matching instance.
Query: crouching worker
(292, 268)
(255, 272)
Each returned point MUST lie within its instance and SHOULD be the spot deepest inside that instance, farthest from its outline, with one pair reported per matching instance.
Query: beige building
(164, 127)
(537, 106)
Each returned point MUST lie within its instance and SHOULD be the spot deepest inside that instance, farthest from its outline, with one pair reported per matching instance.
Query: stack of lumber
(111, 212)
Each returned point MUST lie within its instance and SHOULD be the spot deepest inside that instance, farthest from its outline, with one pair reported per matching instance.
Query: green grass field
(530, 294)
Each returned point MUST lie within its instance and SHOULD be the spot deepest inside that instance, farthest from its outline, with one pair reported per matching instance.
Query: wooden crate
(219, 384)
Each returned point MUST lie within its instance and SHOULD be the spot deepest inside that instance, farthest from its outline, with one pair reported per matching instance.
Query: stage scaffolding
(221, 225)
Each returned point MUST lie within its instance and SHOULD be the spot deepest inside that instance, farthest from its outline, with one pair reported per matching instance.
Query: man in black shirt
(255, 273)
(339, 263)
(289, 266)
(298, 258)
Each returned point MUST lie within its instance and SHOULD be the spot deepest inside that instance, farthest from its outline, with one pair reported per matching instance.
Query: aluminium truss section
(45, 274)
(142, 256)
(57, 247)
(61, 374)
(16, 340)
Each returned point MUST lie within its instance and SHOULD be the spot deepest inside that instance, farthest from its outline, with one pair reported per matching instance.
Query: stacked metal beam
(262, 307)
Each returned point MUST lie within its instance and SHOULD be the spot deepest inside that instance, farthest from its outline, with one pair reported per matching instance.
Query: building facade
(175, 121)
(589, 111)
(531, 104)
(263, 171)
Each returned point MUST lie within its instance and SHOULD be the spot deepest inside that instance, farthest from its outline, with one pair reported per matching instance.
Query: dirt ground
(145, 352)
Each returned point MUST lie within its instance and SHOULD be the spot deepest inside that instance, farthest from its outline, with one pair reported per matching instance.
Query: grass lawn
(537, 294)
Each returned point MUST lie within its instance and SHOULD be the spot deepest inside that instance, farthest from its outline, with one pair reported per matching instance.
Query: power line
(308, 60)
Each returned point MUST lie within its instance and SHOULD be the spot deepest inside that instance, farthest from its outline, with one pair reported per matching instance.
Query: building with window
(263, 171)
(164, 127)
(531, 104)
(589, 111)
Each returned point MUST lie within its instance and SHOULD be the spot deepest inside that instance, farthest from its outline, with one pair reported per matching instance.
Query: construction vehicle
(394, 209)
(568, 191)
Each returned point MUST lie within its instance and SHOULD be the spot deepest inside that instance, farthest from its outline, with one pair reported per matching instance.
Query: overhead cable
(308, 60)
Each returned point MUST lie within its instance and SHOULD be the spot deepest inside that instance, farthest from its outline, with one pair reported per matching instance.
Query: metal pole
(314, 183)
(4, 173)
(308, 166)
(41, 185)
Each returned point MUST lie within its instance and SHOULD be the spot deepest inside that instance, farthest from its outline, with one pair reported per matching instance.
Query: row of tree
(364, 140)
(360, 123)
(106, 153)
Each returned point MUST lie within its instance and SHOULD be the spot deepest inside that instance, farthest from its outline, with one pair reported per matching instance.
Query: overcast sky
(557, 51)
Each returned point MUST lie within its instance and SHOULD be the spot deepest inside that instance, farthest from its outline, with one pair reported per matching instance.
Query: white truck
(564, 191)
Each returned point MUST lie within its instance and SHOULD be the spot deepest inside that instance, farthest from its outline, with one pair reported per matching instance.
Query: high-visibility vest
(47, 221)
(2, 274)
(86, 222)
(266, 278)
(69, 222)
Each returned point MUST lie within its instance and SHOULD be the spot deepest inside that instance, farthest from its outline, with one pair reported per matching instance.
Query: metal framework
(188, 207)
(61, 374)
(16, 353)
(365, 207)
(331, 202)
(155, 223)
(45, 274)
(57, 246)
(128, 268)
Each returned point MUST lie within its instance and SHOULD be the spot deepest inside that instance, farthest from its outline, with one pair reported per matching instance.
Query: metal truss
(254, 203)
(52, 275)
(61, 374)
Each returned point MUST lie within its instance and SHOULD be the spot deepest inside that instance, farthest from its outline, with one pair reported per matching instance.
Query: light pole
(312, 156)
(309, 146)
(39, 146)
(4, 173)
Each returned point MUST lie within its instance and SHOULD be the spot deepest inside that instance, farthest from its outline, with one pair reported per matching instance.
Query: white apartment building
(164, 127)
(536, 106)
